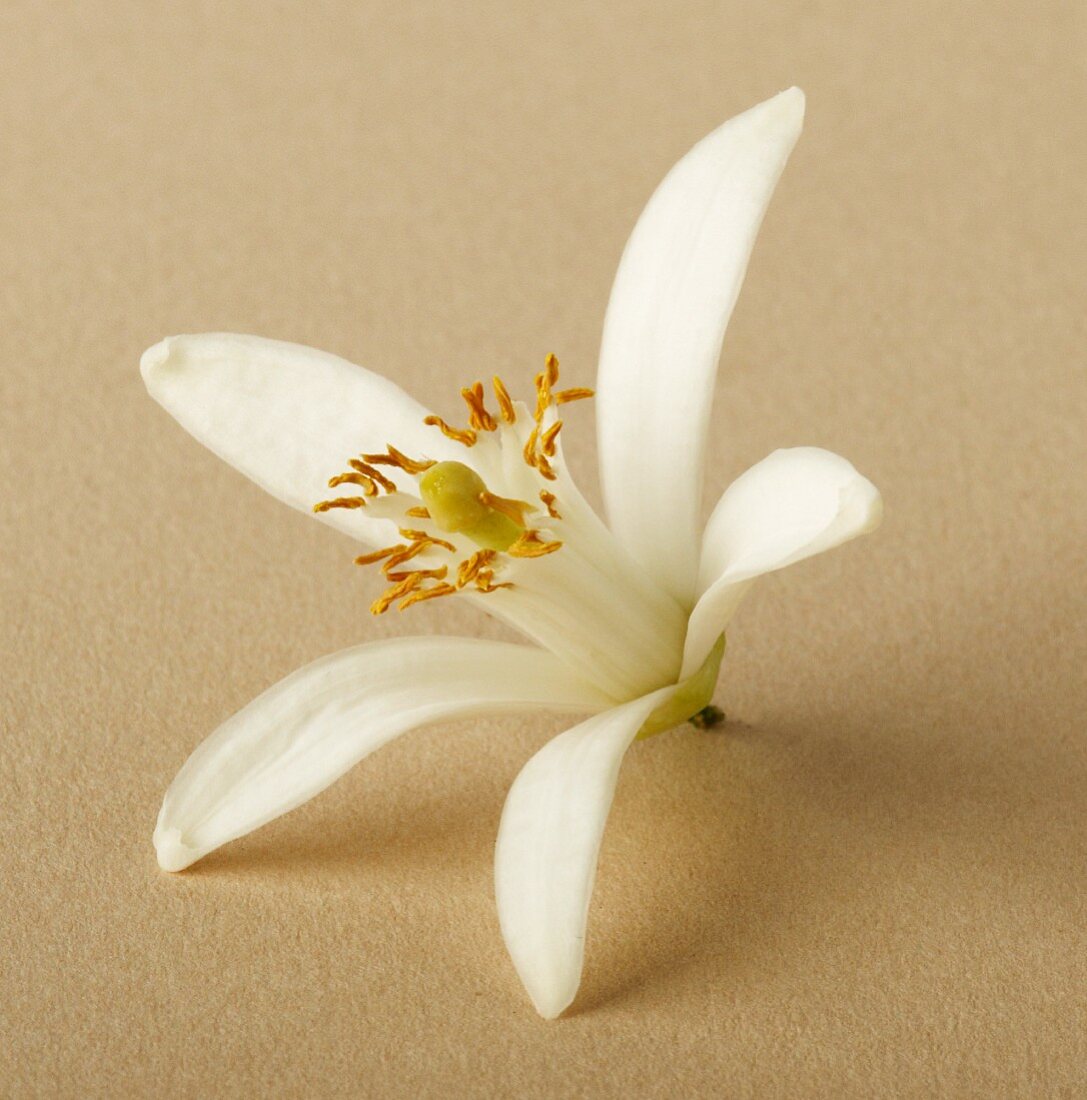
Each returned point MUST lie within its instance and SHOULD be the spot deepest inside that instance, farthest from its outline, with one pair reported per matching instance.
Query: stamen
(549, 502)
(530, 545)
(552, 365)
(543, 397)
(427, 540)
(370, 472)
(544, 381)
(529, 451)
(515, 509)
(427, 594)
(469, 569)
(547, 440)
(536, 460)
(391, 595)
(505, 403)
(423, 574)
(340, 502)
(485, 581)
(418, 513)
(415, 550)
(369, 486)
(393, 457)
(578, 393)
(478, 415)
(461, 435)
(402, 556)
(377, 555)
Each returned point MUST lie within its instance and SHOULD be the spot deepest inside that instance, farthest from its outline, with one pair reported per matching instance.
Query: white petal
(304, 733)
(548, 842)
(287, 416)
(677, 283)
(793, 504)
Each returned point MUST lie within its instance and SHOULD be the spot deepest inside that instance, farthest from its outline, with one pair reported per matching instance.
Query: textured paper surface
(871, 883)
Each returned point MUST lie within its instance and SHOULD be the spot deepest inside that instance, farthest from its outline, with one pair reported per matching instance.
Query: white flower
(628, 618)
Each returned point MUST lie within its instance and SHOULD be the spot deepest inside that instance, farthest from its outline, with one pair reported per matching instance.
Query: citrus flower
(626, 619)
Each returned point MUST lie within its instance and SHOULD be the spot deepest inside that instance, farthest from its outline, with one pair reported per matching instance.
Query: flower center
(453, 499)
(509, 523)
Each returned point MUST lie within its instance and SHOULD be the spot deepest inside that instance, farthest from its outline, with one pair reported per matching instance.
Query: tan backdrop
(872, 881)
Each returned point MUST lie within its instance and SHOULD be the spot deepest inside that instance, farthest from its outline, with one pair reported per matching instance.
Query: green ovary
(454, 495)
(692, 695)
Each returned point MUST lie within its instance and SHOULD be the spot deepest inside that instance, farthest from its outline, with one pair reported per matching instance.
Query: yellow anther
(423, 574)
(577, 393)
(515, 509)
(549, 503)
(529, 450)
(393, 457)
(478, 415)
(469, 569)
(391, 595)
(369, 486)
(377, 555)
(543, 397)
(534, 458)
(415, 549)
(406, 554)
(370, 472)
(552, 367)
(547, 440)
(466, 436)
(418, 513)
(340, 502)
(505, 403)
(485, 581)
(426, 594)
(530, 545)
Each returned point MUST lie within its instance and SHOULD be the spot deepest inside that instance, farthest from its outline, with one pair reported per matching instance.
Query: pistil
(459, 502)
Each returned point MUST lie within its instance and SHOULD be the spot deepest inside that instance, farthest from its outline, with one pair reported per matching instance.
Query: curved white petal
(677, 283)
(306, 731)
(287, 416)
(548, 842)
(795, 503)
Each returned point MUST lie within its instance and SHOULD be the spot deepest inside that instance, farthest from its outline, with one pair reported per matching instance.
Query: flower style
(627, 619)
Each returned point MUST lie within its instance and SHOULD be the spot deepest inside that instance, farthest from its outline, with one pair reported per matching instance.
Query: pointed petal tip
(551, 1012)
(784, 111)
(172, 851)
(874, 506)
(861, 505)
(552, 993)
(155, 357)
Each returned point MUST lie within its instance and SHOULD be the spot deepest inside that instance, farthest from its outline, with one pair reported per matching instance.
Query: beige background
(872, 882)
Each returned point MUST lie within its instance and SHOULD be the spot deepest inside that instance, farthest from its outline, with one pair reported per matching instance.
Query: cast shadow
(896, 785)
